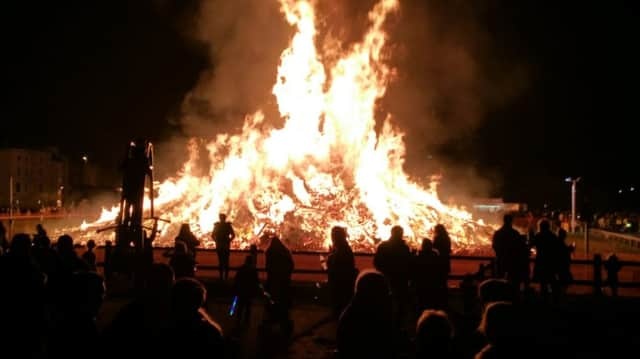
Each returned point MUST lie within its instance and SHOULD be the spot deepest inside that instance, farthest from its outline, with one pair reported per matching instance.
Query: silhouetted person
(89, 256)
(341, 270)
(182, 262)
(442, 244)
(393, 259)
(500, 327)
(192, 331)
(564, 258)
(4, 243)
(44, 256)
(108, 252)
(430, 278)
(612, 266)
(189, 239)
(143, 323)
(77, 318)
(434, 335)
(69, 261)
(223, 234)
(503, 244)
(365, 328)
(41, 233)
(548, 252)
(279, 267)
(247, 287)
(22, 318)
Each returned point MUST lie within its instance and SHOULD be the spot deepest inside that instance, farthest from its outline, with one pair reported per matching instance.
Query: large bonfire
(325, 166)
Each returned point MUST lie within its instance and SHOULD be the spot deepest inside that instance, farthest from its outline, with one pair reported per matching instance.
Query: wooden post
(597, 274)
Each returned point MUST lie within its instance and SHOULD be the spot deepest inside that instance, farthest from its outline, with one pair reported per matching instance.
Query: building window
(17, 187)
(18, 171)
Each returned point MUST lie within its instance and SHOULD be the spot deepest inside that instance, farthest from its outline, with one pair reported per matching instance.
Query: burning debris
(325, 166)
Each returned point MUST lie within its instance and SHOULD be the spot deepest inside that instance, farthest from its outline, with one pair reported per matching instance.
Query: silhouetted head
(397, 233)
(507, 220)
(276, 243)
(91, 244)
(433, 334)
(371, 287)
(545, 226)
(189, 295)
(64, 244)
(108, 244)
(87, 293)
(253, 249)
(222, 217)
(339, 237)
(159, 279)
(495, 290)
(20, 245)
(185, 229)
(499, 323)
(40, 230)
(427, 245)
(439, 230)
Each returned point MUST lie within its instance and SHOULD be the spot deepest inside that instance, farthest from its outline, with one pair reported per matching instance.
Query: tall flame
(325, 166)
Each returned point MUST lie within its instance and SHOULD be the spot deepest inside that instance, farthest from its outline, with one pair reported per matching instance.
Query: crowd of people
(399, 308)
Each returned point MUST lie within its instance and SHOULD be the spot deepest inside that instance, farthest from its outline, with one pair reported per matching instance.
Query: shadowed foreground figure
(442, 244)
(365, 329)
(192, 333)
(393, 259)
(189, 239)
(341, 270)
(434, 334)
(142, 323)
(501, 326)
(182, 262)
(279, 267)
(430, 278)
(247, 286)
(89, 257)
(22, 322)
(76, 319)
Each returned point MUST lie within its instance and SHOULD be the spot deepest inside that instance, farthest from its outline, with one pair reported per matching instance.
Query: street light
(573, 182)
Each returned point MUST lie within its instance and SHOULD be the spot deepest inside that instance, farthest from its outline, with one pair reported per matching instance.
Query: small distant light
(632, 189)
(620, 191)
(568, 179)
(85, 158)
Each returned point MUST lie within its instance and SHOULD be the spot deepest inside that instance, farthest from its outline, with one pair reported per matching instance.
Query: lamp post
(573, 182)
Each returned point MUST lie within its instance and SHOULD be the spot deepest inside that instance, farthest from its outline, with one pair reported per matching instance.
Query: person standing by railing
(223, 234)
(341, 270)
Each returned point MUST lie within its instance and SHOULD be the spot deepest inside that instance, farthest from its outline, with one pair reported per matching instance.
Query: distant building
(39, 177)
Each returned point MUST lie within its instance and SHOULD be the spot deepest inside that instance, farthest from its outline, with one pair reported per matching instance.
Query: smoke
(448, 75)
(245, 39)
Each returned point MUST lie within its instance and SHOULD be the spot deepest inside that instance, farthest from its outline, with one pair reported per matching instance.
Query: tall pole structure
(573, 206)
(10, 206)
(573, 181)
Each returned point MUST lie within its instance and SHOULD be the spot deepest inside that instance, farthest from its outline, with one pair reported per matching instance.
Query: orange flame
(326, 166)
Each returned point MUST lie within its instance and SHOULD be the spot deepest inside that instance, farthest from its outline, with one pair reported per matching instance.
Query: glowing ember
(326, 166)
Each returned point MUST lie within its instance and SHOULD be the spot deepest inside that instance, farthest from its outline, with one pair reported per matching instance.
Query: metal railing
(597, 265)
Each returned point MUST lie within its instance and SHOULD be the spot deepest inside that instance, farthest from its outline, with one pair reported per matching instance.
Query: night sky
(87, 76)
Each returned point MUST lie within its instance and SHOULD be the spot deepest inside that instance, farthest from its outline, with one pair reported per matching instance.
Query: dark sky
(89, 75)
